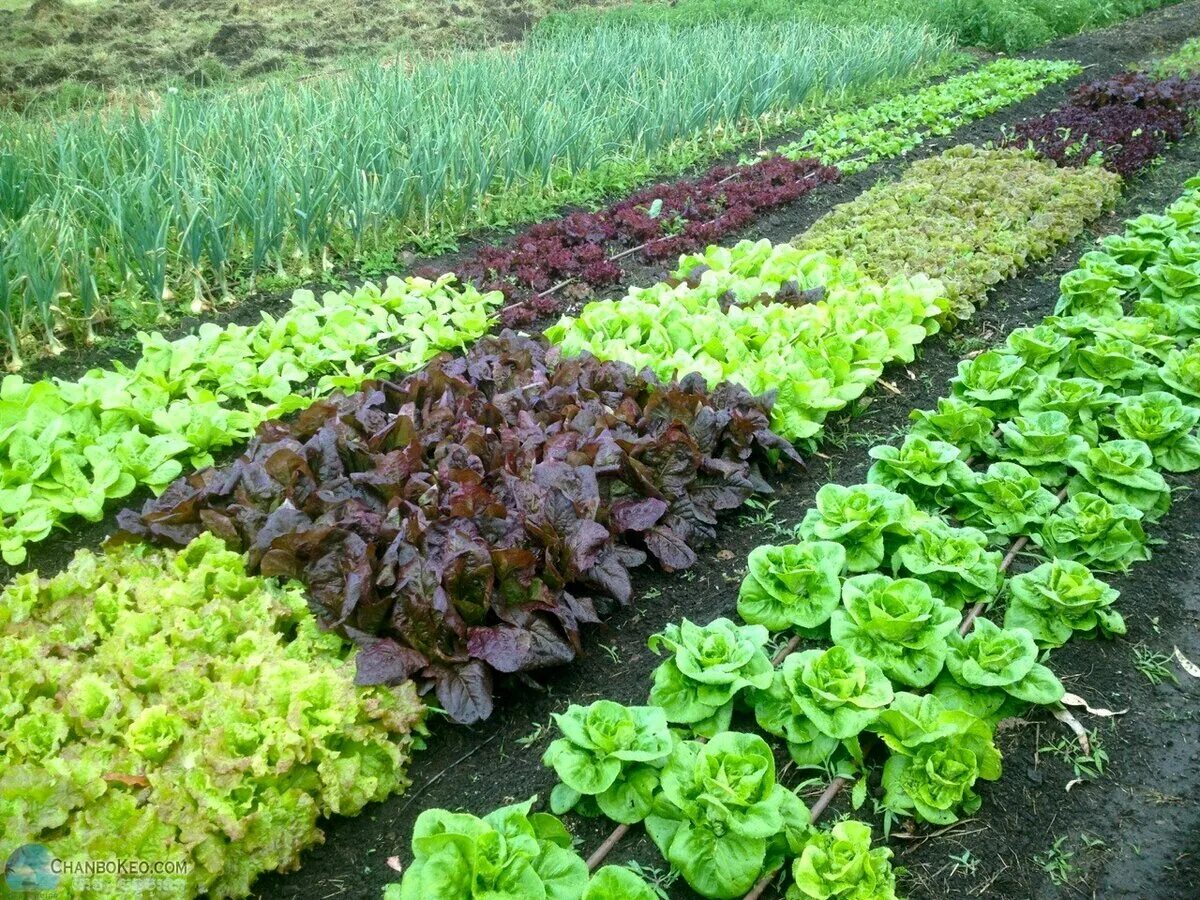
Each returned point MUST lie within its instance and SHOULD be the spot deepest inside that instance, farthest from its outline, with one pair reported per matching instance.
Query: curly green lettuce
(1081, 400)
(168, 706)
(1041, 443)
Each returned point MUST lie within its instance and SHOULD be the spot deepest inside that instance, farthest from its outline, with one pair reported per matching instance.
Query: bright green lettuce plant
(170, 707)
(820, 699)
(721, 819)
(897, 623)
(1004, 500)
(868, 520)
(792, 586)
(994, 379)
(937, 757)
(1041, 443)
(931, 472)
(966, 425)
(511, 853)
(1165, 423)
(955, 563)
(991, 660)
(1082, 400)
(1093, 531)
(1123, 473)
(611, 754)
(618, 883)
(1061, 598)
(1042, 347)
(708, 667)
(1113, 361)
(1181, 372)
(839, 864)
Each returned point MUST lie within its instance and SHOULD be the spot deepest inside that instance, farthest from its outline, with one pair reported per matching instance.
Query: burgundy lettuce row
(669, 219)
(468, 520)
(1128, 120)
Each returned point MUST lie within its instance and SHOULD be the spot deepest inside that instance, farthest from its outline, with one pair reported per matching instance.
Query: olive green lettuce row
(167, 707)
(971, 218)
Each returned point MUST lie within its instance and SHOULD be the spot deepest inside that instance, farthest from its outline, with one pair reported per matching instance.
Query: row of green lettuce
(68, 447)
(811, 326)
(1094, 401)
(166, 707)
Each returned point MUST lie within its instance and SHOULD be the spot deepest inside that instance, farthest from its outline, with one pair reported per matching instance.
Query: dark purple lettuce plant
(468, 520)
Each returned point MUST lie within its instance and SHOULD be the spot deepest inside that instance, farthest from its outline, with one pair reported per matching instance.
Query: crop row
(1006, 25)
(68, 447)
(1094, 401)
(854, 139)
(1122, 123)
(582, 252)
(969, 217)
(204, 191)
(167, 707)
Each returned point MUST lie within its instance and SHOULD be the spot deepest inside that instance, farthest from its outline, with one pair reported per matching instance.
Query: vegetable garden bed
(462, 523)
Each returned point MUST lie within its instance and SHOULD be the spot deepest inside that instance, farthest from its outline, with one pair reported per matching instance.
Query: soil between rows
(1144, 809)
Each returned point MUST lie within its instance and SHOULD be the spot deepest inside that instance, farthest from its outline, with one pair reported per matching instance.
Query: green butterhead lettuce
(1093, 531)
(793, 586)
(608, 751)
(868, 520)
(931, 472)
(721, 818)
(1060, 598)
(1123, 473)
(707, 669)
(897, 623)
(994, 658)
(1165, 424)
(938, 755)
(1005, 500)
(839, 864)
